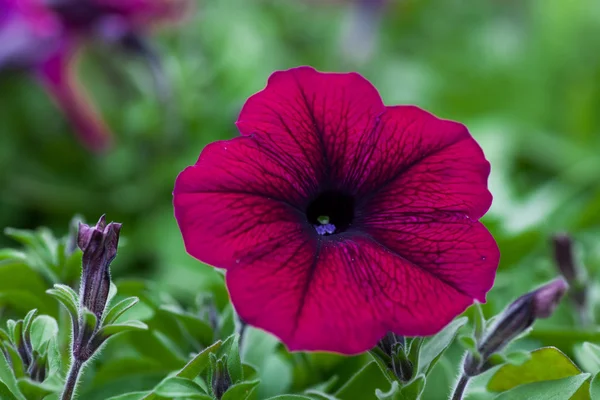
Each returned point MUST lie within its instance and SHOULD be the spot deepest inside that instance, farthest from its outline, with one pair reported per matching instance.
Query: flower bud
(221, 381)
(516, 319)
(99, 246)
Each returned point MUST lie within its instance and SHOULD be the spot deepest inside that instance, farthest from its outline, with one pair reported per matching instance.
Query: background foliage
(523, 76)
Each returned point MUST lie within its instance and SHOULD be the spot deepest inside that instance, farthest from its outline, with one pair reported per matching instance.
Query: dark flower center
(331, 212)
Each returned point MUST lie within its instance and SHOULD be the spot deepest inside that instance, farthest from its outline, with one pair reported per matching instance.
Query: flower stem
(461, 385)
(72, 379)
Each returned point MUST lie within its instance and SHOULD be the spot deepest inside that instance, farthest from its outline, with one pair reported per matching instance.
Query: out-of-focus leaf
(545, 364)
(197, 328)
(558, 389)
(588, 355)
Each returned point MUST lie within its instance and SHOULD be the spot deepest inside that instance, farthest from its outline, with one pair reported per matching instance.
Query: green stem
(72, 379)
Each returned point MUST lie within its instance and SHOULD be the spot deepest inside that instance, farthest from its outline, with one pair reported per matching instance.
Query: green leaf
(290, 397)
(22, 288)
(89, 323)
(154, 344)
(588, 355)
(195, 367)
(363, 384)
(468, 343)
(545, 364)
(36, 390)
(595, 387)
(27, 321)
(518, 357)
(414, 389)
(130, 396)
(317, 395)
(7, 377)
(414, 350)
(434, 347)
(67, 297)
(478, 321)
(196, 327)
(234, 363)
(558, 389)
(391, 394)
(5, 393)
(114, 329)
(118, 309)
(180, 387)
(43, 329)
(240, 391)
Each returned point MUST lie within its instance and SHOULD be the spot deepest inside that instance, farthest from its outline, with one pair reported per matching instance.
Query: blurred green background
(524, 76)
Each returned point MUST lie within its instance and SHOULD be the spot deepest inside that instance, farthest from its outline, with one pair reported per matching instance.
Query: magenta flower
(339, 219)
(46, 36)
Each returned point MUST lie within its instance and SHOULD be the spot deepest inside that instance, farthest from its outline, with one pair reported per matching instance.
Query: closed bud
(516, 319)
(99, 245)
(221, 381)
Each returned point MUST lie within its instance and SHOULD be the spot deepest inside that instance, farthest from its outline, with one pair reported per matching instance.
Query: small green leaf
(478, 321)
(118, 309)
(558, 389)
(28, 320)
(180, 387)
(67, 297)
(391, 394)
(595, 387)
(89, 323)
(43, 329)
(537, 369)
(468, 343)
(434, 347)
(240, 391)
(7, 377)
(414, 345)
(195, 367)
(17, 334)
(289, 397)
(518, 357)
(114, 329)
(231, 348)
(112, 292)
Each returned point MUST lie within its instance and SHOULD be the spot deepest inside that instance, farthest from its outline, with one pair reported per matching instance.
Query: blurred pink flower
(45, 38)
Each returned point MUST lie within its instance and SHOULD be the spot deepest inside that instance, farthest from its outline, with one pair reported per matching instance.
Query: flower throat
(331, 212)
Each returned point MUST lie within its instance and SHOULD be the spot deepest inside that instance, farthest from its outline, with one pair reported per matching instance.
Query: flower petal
(59, 77)
(455, 249)
(341, 295)
(418, 163)
(237, 202)
(319, 120)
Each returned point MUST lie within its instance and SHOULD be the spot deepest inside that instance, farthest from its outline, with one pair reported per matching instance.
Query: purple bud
(515, 319)
(99, 246)
(563, 254)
